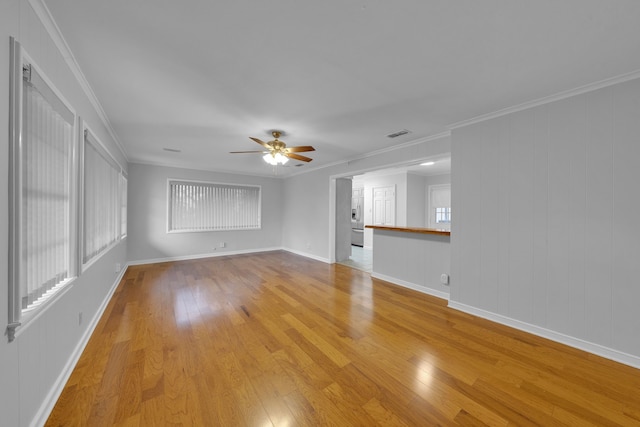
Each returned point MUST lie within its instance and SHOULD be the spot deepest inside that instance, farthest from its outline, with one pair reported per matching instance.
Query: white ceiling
(202, 76)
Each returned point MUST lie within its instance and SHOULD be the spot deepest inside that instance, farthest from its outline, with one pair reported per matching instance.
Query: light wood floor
(278, 339)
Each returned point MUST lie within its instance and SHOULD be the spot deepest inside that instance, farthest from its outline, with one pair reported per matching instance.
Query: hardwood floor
(278, 339)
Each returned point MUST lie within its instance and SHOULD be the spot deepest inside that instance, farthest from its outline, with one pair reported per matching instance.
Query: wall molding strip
(549, 99)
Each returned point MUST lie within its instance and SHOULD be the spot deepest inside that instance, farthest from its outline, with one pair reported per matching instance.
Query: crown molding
(548, 99)
(351, 160)
(429, 138)
(43, 13)
(199, 169)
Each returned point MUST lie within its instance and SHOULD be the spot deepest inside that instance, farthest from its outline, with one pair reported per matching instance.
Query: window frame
(17, 316)
(99, 147)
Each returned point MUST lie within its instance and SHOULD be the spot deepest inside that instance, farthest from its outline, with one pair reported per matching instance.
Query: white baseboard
(200, 256)
(578, 343)
(54, 393)
(308, 255)
(228, 253)
(414, 286)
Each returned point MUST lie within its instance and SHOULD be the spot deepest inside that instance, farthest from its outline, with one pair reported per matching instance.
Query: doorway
(401, 200)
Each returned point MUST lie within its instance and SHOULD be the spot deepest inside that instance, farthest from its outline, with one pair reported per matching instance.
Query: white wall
(436, 180)
(416, 202)
(148, 237)
(546, 228)
(305, 210)
(37, 361)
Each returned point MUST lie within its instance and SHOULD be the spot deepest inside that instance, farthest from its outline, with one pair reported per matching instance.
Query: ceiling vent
(399, 133)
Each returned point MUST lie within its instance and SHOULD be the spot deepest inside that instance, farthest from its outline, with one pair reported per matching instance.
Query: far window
(443, 215)
(102, 207)
(205, 206)
(439, 206)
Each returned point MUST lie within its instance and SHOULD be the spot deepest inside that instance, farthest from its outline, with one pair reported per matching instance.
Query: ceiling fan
(278, 152)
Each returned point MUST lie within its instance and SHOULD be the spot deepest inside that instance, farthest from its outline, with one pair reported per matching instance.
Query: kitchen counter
(420, 230)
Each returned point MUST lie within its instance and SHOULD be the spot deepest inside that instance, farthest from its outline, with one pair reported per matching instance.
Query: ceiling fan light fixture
(275, 159)
(280, 158)
(277, 153)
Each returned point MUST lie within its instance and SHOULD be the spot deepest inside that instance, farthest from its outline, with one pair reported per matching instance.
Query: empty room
(283, 213)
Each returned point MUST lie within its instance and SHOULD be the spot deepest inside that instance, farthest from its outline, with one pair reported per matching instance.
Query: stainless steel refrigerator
(357, 216)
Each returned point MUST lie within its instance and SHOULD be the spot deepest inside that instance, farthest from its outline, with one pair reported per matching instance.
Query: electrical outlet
(223, 244)
(444, 279)
(118, 267)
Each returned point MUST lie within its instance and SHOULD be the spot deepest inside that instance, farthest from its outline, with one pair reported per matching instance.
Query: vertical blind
(102, 199)
(45, 190)
(201, 206)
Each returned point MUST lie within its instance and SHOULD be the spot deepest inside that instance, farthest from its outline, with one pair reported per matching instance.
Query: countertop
(420, 230)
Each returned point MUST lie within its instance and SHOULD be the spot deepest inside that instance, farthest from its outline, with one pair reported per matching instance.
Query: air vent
(172, 150)
(399, 133)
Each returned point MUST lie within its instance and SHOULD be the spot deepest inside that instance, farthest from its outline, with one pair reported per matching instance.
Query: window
(443, 215)
(439, 206)
(102, 199)
(205, 206)
(42, 189)
(123, 205)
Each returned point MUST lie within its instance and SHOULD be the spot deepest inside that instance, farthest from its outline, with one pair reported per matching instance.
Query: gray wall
(343, 218)
(40, 357)
(148, 237)
(546, 228)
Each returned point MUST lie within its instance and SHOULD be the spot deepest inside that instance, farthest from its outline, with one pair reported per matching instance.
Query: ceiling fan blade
(298, 157)
(264, 144)
(300, 148)
(239, 152)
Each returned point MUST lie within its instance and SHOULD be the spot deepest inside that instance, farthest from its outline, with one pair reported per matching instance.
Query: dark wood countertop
(420, 230)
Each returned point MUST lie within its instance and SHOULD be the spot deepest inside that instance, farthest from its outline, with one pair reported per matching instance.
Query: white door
(384, 206)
